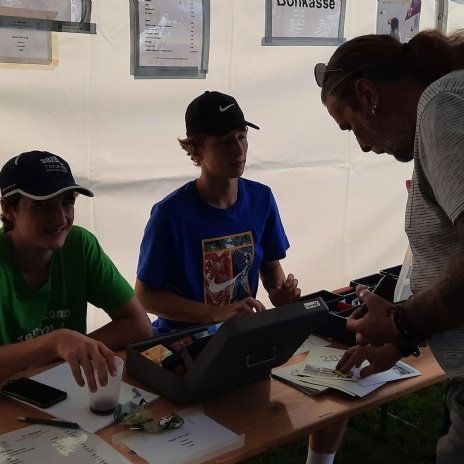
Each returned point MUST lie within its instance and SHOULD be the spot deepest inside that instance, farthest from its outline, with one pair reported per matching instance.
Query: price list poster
(170, 34)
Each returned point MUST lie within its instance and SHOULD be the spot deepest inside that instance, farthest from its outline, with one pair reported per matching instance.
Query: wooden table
(268, 412)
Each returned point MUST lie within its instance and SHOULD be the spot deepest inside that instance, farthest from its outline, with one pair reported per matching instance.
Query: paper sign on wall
(315, 22)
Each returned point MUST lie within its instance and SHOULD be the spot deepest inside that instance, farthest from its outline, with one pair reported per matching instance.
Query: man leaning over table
(408, 100)
(50, 270)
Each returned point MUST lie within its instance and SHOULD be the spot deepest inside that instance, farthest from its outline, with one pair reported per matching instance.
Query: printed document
(319, 367)
(200, 438)
(53, 445)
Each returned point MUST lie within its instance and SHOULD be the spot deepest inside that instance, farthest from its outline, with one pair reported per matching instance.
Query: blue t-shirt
(207, 254)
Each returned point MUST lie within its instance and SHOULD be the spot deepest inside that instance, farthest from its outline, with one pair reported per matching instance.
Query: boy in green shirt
(50, 270)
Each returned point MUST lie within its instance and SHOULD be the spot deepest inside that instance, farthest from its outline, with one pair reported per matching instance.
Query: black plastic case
(244, 349)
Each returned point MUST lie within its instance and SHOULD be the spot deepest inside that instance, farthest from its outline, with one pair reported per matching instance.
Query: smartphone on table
(33, 392)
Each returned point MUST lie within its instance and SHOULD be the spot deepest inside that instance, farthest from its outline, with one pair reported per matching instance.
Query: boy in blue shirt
(207, 244)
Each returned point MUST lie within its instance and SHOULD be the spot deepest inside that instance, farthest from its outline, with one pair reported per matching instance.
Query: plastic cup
(105, 399)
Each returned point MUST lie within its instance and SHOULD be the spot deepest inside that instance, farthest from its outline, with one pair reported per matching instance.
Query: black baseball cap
(214, 113)
(39, 175)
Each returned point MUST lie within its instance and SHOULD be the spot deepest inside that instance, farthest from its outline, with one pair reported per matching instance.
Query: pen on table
(55, 423)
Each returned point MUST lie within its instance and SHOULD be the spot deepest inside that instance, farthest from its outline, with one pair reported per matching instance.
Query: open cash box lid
(209, 359)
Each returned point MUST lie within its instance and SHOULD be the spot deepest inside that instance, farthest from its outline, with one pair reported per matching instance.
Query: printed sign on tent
(61, 15)
(304, 22)
(399, 18)
(26, 43)
(169, 39)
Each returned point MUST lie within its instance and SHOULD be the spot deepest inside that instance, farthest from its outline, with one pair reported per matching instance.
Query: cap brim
(254, 126)
(84, 191)
(56, 191)
(220, 132)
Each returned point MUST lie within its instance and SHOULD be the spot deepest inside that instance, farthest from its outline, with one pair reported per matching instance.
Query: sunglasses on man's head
(319, 73)
(321, 68)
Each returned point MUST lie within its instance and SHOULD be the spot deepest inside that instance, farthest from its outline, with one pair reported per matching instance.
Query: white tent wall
(343, 210)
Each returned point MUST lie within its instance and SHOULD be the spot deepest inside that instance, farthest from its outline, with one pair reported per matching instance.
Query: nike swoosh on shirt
(215, 288)
(221, 109)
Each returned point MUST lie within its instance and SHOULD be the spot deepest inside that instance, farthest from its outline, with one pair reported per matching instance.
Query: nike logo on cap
(221, 109)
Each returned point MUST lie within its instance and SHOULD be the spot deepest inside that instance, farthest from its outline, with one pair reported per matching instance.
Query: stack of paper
(291, 374)
(317, 372)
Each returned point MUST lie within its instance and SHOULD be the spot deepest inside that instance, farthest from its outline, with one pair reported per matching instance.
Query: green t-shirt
(80, 272)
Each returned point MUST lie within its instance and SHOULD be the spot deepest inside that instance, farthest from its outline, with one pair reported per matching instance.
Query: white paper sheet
(198, 439)
(75, 407)
(25, 42)
(290, 21)
(321, 362)
(319, 367)
(311, 341)
(171, 33)
(290, 375)
(39, 444)
(70, 10)
(351, 388)
(399, 371)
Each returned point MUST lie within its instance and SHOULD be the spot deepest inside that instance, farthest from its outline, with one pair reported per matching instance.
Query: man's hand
(376, 326)
(285, 292)
(381, 358)
(83, 352)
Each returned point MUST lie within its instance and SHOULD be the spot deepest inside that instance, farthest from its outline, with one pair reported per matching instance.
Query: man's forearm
(440, 307)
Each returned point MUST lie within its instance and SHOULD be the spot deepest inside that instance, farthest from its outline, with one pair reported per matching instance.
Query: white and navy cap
(39, 175)
(214, 113)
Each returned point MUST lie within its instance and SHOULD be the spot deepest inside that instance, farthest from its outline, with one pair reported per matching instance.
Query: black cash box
(341, 308)
(242, 350)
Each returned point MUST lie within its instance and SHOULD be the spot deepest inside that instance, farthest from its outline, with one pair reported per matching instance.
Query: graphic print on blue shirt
(226, 261)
